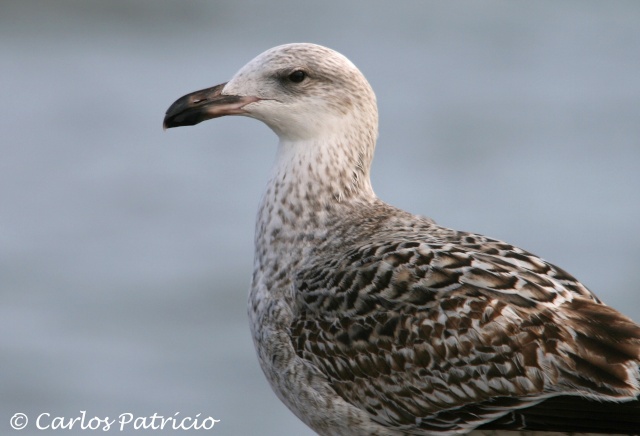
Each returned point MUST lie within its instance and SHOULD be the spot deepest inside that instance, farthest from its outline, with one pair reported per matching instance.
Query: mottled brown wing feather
(457, 334)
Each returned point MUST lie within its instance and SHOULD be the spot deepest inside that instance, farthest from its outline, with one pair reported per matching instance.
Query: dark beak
(203, 105)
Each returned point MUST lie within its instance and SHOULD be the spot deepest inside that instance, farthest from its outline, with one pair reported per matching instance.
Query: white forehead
(299, 55)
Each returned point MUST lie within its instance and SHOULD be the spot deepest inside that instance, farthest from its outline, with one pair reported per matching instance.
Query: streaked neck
(311, 181)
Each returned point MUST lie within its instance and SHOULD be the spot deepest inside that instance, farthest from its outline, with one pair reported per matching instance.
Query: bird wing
(453, 334)
(573, 414)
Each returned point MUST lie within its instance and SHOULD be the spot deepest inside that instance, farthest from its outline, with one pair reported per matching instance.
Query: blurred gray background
(126, 251)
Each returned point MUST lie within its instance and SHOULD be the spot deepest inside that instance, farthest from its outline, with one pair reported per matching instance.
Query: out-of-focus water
(126, 251)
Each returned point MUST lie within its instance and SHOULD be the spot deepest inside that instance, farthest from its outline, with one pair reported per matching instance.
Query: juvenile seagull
(368, 320)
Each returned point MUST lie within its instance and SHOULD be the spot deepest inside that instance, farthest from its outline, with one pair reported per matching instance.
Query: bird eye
(297, 76)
